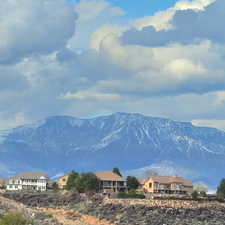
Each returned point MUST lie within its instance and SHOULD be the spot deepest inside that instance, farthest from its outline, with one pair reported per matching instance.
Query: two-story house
(111, 182)
(28, 181)
(167, 184)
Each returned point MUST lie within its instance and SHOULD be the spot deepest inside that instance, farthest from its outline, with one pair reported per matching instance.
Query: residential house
(2, 183)
(142, 182)
(62, 181)
(28, 181)
(111, 182)
(167, 184)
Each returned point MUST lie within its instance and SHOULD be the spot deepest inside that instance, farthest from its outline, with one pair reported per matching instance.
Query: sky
(96, 57)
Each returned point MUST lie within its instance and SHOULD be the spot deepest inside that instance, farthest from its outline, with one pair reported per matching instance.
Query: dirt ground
(70, 217)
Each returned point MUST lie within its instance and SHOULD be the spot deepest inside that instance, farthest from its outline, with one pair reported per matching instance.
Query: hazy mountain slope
(128, 141)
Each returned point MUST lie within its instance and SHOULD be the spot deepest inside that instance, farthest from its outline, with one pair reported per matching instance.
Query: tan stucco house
(62, 181)
(111, 182)
(167, 184)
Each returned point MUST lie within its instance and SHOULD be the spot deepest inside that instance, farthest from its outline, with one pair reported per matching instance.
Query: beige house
(62, 181)
(167, 184)
(111, 182)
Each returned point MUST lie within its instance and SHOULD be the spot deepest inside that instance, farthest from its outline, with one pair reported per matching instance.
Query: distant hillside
(132, 142)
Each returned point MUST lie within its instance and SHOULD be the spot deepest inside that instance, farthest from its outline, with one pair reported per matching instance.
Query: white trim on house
(28, 181)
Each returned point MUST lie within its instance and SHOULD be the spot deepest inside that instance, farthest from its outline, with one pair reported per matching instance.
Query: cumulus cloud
(92, 15)
(162, 20)
(30, 27)
(83, 95)
(188, 26)
(141, 73)
(219, 124)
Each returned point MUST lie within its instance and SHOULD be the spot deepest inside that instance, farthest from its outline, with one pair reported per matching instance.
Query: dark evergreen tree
(117, 171)
(221, 190)
(55, 186)
(132, 183)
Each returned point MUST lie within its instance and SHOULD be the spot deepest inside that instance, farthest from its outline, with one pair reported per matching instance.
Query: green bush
(131, 194)
(14, 219)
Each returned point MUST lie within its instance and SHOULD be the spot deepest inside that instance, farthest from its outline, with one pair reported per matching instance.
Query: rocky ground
(36, 216)
(124, 212)
(30, 209)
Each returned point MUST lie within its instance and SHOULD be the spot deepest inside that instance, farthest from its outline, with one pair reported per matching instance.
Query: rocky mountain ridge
(132, 142)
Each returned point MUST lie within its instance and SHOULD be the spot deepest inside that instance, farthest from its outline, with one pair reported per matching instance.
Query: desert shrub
(131, 194)
(14, 219)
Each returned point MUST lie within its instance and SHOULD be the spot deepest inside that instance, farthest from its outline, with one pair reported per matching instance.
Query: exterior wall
(63, 181)
(27, 184)
(152, 186)
(189, 190)
(112, 186)
(149, 186)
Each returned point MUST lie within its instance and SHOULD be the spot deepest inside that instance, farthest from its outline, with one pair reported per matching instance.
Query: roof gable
(170, 180)
(31, 175)
(108, 176)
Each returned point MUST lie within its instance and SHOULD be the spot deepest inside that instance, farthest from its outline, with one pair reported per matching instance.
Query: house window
(150, 185)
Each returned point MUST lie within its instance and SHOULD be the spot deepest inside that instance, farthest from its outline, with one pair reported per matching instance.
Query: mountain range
(135, 143)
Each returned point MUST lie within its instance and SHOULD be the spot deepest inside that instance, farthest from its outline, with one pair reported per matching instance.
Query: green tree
(221, 190)
(87, 182)
(71, 180)
(132, 183)
(117, 171)
(195, 195)
(200, 187)
(55, 186)
(14, 219)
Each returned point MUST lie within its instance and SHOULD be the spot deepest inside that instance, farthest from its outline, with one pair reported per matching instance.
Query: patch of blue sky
(140, 8)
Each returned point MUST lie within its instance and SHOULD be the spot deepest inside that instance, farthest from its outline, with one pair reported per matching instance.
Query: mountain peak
(126, 140)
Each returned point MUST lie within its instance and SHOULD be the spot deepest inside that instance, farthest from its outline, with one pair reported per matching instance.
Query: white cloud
(104, 32)
(161, 20)
(48, 78)
(93, 15)
(18, 120)
(219, 124)
(184, 67)
(90, 95)
(30, 27)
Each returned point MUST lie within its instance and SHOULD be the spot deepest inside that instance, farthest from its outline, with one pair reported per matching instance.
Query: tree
(201, 188)
(195, 195)
(221, 190)
(117, 171)
(132, 183)
(71, 180)
(55, 186)
(87, 182)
